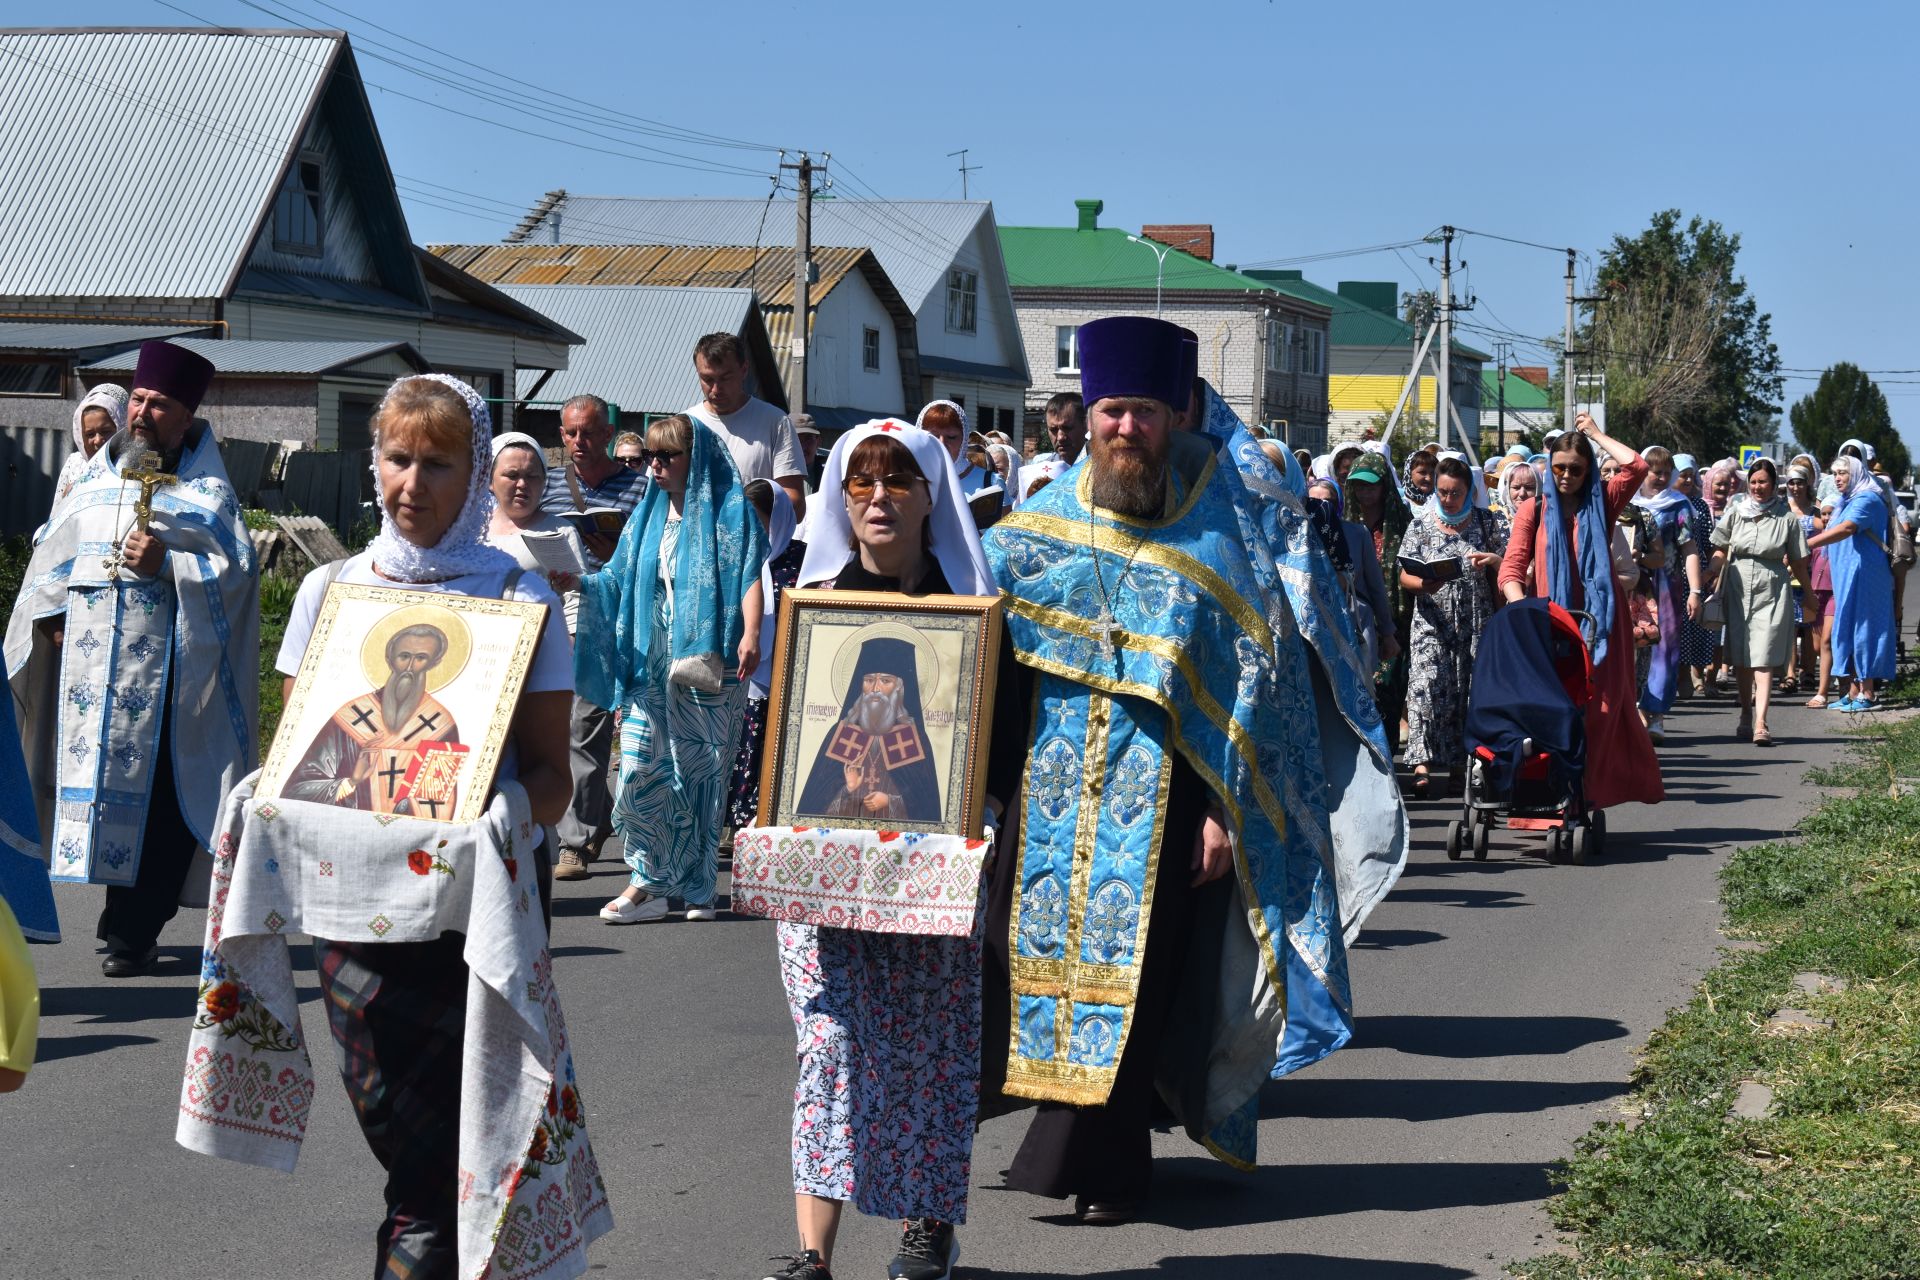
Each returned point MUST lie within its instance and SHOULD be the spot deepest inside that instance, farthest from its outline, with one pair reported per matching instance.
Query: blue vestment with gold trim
(1208, 661)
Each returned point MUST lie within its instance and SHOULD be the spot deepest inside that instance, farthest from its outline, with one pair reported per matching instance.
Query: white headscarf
(920, 420)
(780, 526)
(1013, 464)
(509, 439)
(952, 538)
(463, 548)
(1047, 469)
(105, 396)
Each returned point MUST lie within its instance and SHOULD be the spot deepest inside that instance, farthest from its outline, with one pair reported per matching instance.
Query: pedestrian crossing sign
(1749, 453)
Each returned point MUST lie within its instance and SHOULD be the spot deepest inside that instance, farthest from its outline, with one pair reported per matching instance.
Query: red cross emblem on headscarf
(889, 426)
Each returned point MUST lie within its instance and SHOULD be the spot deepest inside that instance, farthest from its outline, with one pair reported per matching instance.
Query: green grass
(1827, 1185)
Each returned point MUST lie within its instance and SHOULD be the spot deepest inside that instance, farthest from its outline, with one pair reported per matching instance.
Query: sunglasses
(664, 457)
(898, 484)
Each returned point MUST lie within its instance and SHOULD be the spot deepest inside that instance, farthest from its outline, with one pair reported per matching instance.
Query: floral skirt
(743, 800)
(889, 1049)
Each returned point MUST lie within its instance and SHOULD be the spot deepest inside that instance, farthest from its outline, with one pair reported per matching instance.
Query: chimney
(1090, 213)
(1378, 295)
(1195, 238)
(1535, 373)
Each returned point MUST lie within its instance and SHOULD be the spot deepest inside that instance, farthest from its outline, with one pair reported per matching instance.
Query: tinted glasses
(664, 457)
(898, 484)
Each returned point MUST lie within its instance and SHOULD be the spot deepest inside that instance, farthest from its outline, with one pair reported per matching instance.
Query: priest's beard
(879, 712)
(401, 696)
(1127, 478)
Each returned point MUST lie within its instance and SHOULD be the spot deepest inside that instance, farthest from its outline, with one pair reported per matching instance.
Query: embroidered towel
(873, 881)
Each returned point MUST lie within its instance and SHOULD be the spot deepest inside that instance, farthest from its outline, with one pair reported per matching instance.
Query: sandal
(1422, 783)
(1817, 701)
(1761, 738)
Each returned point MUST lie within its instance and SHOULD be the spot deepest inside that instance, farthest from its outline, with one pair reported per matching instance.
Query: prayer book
(555, 552)
(1445, 570)
(607, 520)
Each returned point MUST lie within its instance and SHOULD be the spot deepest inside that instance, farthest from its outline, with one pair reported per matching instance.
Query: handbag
(1713, 612)
(702, 672)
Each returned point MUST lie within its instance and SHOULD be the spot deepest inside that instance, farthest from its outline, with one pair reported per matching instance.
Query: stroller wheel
(1556, 845)
(1580, 842)
(1481, 834)
(1454, 840)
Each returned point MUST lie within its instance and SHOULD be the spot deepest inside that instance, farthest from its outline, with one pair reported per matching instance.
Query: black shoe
(928, 1251)
(120, 964)
(805, 1265)
(1103, 1213)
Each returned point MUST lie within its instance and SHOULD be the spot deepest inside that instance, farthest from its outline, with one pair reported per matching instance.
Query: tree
(1846, 405)
(1688, 356)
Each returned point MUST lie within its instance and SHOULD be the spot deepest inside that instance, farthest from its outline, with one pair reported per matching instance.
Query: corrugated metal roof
(35, 336)
(915, 240)
(138, 163)
(262, 356)
(639, 351)
(702, 266)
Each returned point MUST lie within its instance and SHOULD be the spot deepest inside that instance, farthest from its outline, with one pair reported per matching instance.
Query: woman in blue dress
(1856, 542)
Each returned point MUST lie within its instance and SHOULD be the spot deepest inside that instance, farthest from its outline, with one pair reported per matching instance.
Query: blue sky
(1293, 129)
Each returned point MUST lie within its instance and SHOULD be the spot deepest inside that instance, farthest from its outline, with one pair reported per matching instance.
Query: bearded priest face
(1128, 438)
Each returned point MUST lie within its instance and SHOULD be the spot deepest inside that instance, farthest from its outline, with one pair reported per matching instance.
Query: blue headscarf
(1594, 541)
(722, 547)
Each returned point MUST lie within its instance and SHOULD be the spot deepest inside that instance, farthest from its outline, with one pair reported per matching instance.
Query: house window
(963, 300)
(870, 350)
(31, 376)
(1313, 352)
(296, 210)
(1066, 348)
(1279, 347)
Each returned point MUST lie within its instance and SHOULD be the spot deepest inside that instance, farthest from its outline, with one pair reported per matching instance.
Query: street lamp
(1160, 252)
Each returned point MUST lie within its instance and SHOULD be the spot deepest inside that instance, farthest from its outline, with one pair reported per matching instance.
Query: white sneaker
(634, 910)
(710, 911)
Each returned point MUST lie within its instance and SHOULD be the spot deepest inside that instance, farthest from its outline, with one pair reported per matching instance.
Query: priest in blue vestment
(1209, 809)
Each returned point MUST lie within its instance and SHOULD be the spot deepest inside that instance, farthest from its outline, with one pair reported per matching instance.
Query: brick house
(1263, 345)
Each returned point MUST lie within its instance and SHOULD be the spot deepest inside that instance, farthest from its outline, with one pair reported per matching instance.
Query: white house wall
(835, 375)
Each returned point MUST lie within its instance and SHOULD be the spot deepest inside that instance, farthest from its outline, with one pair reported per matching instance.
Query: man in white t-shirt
(760, 437)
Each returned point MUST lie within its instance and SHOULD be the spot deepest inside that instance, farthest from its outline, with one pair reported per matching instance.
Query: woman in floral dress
(1448, 616)
(888, 1023)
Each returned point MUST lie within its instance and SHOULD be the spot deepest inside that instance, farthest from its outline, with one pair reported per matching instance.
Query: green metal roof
(1353, 324)
(1103, 258)
(1521, 394)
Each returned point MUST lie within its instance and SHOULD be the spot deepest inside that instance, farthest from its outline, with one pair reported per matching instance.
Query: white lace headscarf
(463, 548)
(106, 396)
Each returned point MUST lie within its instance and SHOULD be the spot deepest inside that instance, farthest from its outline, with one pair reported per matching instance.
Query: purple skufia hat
(174, 372)
(1136, 356)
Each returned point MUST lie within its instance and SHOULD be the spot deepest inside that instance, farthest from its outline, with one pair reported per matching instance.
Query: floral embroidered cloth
(531, 1197)
(873, 881)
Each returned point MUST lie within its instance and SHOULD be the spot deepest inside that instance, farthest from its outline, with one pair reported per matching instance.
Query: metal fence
(31, 458)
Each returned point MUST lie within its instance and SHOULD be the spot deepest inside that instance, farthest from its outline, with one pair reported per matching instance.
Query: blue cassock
(1231, 646)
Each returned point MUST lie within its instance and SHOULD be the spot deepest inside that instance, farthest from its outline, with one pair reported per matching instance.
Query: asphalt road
(1500, 1006)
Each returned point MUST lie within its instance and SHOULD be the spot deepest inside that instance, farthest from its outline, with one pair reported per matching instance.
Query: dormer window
(296, 209)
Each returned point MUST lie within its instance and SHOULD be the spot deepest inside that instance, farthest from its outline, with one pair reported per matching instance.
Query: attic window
(963, 296)
(296, 209)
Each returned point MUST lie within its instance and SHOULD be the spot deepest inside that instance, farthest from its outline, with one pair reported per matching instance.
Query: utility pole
(1566, 375)
(802, 283)
(1443, 388)
(1500, 430)
(965, 169)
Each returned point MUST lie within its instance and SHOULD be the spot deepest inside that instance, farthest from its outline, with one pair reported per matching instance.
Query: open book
(556, 553)
(1445, 570)
(607, 520)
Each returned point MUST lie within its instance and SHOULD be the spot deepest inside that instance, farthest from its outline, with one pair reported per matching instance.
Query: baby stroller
(1526, 735)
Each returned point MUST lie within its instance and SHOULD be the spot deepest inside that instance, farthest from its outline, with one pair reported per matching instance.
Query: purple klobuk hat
(174, 372)
(1135, 356)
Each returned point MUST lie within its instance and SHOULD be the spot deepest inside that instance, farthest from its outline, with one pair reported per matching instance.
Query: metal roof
(639, 340)
(196, 124)
(272, 358)
(915, 240)
(35, 336)
(701, 266)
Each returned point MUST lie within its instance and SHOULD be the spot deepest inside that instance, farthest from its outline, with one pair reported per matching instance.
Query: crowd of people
(1200, 627)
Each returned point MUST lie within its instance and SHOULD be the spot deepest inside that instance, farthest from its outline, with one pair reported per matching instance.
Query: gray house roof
(274, 359)
(38, 336)
(915, 240)
(639, 341)
(201, 131)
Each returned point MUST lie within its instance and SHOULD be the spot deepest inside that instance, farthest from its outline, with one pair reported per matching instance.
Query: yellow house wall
(1369, 393)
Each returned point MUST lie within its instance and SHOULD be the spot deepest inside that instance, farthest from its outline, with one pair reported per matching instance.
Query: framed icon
(881, 711)
(403, 702)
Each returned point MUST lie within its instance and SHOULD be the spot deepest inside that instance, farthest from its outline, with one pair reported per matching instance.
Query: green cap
(1366, 473)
